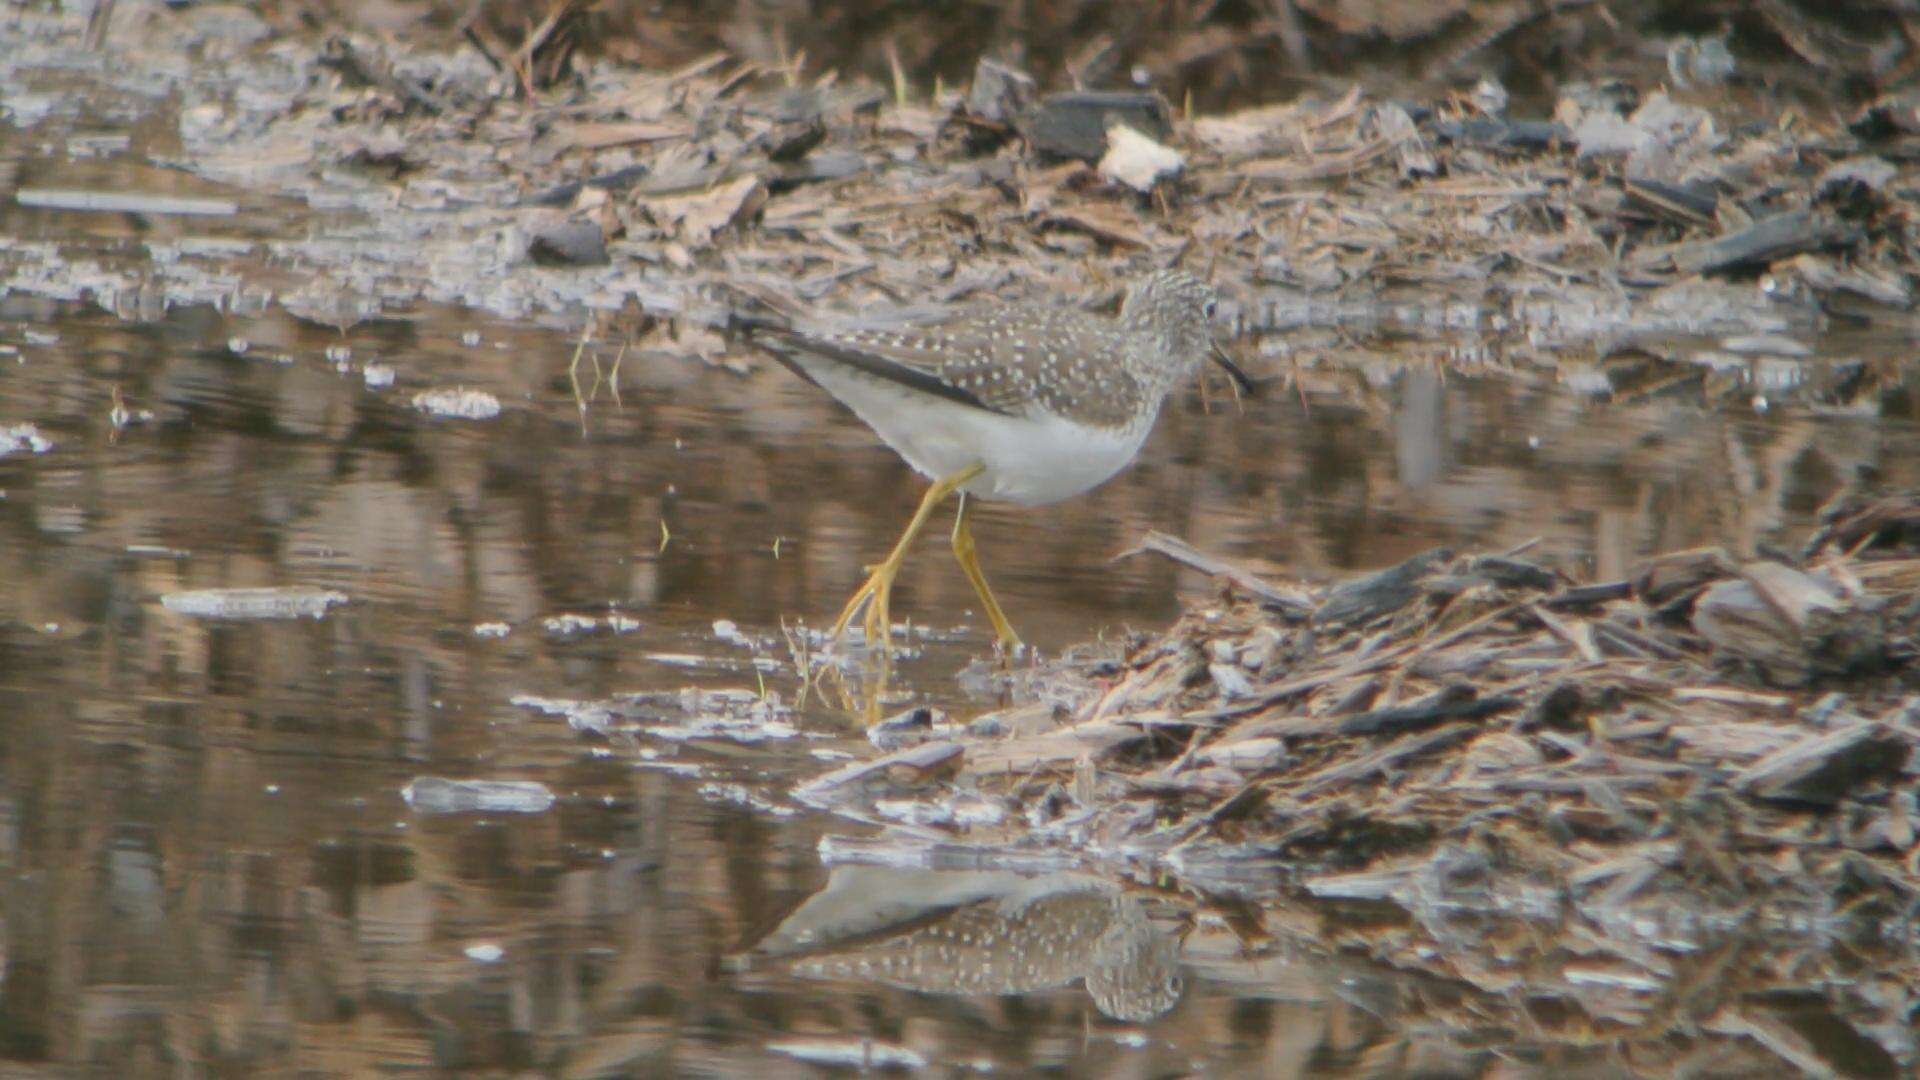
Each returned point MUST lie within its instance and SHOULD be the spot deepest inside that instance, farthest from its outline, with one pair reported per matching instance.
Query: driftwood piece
(1681, 203)
(1823, 769)
(1500, 133)
(1287, 602)
(1453, 702)
(1367, 598)
(1387, 757)
(1793, 625)
(1803, 599)
(1828, 276)
(1680, 575)
(1855, 522)
(913, 768)
(1763, 241)
(1391, 121)
(1508, 571)
(1578, 596)
(1733, 616)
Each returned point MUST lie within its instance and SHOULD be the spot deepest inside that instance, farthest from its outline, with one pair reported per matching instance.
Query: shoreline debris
(1707, 751)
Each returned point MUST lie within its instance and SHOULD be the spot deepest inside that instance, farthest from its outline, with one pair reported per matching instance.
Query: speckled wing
(1006, 360)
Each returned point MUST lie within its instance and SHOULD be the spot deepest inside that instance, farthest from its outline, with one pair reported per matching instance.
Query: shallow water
(208, 854)
(209, 858)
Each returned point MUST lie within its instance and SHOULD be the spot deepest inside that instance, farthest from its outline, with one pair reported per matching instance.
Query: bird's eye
(1209, 307)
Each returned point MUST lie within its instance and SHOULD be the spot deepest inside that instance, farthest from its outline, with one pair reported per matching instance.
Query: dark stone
(1074, 125)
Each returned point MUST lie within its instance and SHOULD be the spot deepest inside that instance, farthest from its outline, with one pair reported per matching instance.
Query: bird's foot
(873, 597)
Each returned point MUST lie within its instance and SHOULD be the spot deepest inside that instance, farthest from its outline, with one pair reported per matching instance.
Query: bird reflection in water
(982, 932)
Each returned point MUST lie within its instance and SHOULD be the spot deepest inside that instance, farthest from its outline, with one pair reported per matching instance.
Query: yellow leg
(875, 594)
(970, 565)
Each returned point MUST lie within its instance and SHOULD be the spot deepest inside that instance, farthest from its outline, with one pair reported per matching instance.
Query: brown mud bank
(1558, 797)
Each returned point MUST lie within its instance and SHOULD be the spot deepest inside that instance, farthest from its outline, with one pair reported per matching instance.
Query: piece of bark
(1885, 286)
(1764, 241)
(1288, 603)
(1677, 577)
(1392, 122)
(1391, 756)
(1496, 133)
(1823, 769)
(789, 142)
(1364, 599)
(1855, 522)
(1894, 115)
(569, 243)
(1454, 702)
(1691, 205)
(909, 770)
(999, 93)
(1511, 572)
(1794, 626)
(1577, 596)
(818, 166)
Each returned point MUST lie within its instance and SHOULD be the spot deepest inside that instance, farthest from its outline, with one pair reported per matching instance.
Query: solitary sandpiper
(1027, 403)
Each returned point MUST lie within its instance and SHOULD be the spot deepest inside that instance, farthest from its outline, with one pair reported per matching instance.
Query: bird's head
(1177, 309)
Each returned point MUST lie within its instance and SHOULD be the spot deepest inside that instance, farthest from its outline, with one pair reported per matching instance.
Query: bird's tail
(753, 311)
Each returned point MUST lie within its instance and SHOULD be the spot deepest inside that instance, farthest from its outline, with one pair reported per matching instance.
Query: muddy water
(210, 858)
